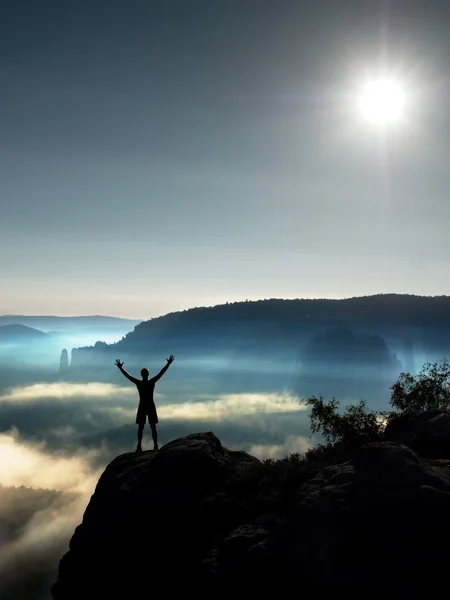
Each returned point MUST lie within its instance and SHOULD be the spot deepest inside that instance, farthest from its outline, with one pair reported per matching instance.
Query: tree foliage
(429, 389)
(356, 425)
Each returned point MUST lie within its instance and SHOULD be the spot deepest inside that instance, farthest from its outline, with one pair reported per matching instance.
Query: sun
(382, 102)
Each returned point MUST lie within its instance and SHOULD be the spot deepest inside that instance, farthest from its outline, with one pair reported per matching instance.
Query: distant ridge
(15, 318)
(20, 332)
(53, 322)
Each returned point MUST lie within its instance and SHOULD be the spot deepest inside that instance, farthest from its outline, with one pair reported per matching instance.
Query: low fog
(42, 499)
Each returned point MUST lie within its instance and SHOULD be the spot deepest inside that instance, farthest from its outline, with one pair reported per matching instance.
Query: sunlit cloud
(65, 390)
(292, 445)
(30, 465)
(202, 408)
(229, 406)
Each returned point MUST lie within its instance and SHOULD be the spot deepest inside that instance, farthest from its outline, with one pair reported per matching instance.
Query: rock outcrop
(427, 433)
(64, 361)
(187, 520)
(148, 525)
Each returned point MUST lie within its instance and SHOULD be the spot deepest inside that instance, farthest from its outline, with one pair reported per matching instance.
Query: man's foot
(155, 447)
(138, 448)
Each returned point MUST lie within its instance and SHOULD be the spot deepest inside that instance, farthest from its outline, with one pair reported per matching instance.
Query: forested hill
(277, 327)
(287, 318)
(395, 309)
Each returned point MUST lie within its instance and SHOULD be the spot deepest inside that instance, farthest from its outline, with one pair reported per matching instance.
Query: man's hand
(118, 363)
(170, 359)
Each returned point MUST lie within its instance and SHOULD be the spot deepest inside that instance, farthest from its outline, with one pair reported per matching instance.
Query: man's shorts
(146, 410)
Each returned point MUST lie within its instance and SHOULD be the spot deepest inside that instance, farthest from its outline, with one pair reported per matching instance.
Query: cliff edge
(196, 517)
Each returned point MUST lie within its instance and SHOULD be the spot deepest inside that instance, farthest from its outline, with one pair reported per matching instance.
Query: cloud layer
(63, 391)
(231, 405)
(31, 465)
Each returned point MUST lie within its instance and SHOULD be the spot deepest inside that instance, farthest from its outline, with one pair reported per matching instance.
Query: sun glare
(382, 102)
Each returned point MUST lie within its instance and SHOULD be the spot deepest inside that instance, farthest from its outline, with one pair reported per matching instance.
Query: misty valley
(241, 371)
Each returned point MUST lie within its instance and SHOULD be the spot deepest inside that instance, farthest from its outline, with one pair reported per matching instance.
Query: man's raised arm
(164, 369)
(119, 365)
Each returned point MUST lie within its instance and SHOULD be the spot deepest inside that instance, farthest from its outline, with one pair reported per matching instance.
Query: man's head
(145, 373)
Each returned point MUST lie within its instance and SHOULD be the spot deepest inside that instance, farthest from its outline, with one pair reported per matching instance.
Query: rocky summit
(196, 518)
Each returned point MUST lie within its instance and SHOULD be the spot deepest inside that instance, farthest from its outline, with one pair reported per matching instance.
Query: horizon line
(97, 316)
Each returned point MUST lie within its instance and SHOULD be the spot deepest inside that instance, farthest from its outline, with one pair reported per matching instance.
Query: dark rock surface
(145, 527)
(175, 522)
(427, 433)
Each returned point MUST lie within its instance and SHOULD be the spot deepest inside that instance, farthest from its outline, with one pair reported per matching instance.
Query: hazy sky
(157, 155)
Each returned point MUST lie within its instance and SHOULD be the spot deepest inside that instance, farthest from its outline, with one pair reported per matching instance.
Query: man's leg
(140, 434)
(154, 436)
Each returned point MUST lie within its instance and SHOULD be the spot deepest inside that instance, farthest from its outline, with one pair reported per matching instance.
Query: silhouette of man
(146, 408)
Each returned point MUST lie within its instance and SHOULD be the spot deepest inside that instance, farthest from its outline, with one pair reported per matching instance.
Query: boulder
(427, 433)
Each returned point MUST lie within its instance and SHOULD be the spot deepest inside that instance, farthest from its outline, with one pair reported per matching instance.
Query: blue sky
(160, 155)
